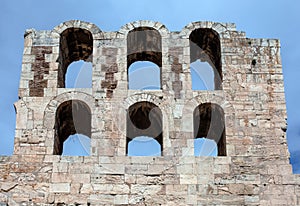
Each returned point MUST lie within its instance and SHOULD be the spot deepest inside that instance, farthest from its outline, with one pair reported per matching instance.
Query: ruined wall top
(221, 28)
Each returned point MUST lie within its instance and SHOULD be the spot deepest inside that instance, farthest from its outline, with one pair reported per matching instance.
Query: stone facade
(253, 163)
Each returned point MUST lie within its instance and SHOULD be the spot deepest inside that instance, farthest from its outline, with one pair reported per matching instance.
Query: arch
(121, 108)
(95, 30)
(144, 44)
(71, 117)
(144, 119)
(75, 44)
(120, 112)
(205, 46)
(223, 29)
(52, 106)
(209, 122)
(216, 97)
(147, 97)
(161, 28)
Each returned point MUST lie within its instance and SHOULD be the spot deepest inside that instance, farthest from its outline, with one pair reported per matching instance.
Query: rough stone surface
(254, 168)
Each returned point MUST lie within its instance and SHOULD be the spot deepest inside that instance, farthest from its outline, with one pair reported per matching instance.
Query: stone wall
(254, 171)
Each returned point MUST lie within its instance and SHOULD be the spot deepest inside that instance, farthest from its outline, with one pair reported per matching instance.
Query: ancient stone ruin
(244, 114)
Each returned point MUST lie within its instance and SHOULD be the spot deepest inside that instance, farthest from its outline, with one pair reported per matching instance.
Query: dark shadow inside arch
(144, 119)
(144, 75)
(72, 117)
(209, 123)
(75, 44)
(205, 46)
(144, 44)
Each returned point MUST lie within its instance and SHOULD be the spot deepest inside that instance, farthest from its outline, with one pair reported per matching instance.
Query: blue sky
(260, 19)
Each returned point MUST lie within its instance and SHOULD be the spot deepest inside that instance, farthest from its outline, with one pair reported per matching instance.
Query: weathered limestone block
(60, 187)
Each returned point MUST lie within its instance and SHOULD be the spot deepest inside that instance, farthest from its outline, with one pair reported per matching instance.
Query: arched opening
(205, 47)
(148, 71)
(144, 146)
(144, 122)
(72, 117)
(79, 75)
(144, 44)
(75, 44)
(209, 123)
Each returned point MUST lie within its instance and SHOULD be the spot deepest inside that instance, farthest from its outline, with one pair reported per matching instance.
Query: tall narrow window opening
(144, 44)
(205, 58)
(75, 44)
(209, 123)
(72, 117)
(144, 124)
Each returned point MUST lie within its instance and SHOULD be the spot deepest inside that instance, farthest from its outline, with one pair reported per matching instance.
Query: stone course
(255, 169)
